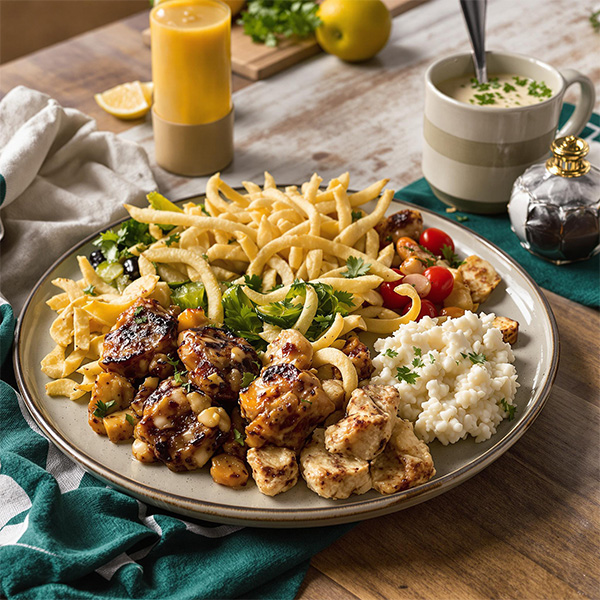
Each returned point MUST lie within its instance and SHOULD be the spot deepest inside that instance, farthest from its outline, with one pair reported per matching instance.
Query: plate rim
(286, 517)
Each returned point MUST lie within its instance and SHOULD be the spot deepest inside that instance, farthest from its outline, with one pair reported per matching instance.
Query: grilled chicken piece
(405, 223)
(275, 470)
(172, 426)
(144, 391)
(367, 426)
(290, 347)
(141, 332)
(405, 462)
(111, 392)
(360, 357)
(509, 329)
(480, 277)
(332, 475)
(334, 388)
(217, 360)
(283, 406)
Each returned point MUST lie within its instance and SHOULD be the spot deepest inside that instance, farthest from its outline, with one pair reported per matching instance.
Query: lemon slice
(148, 90)
(126, 101)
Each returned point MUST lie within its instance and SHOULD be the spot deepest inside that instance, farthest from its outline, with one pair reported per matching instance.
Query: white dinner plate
(195, 494)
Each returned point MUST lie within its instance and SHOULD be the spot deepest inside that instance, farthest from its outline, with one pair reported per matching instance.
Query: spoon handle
(474, 14)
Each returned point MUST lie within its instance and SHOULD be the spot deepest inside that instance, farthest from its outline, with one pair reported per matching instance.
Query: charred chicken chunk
(367, 426)
(405, 462)
(405, 223)
(275, 470)
(111, 392)
(216, 361)
(509, 329)
(290, 347)
(141, 332)
(283, 406)
(332, 475)
(479, 276)
(360, 357)
(180, 428)
(235, 443)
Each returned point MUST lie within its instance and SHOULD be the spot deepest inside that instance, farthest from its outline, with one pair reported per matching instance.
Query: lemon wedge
(126, 101)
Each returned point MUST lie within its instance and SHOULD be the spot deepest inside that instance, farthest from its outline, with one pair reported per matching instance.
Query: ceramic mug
(473, 154)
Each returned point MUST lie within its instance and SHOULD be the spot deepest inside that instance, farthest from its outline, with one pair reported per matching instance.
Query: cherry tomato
(441, 281)
(435, 239)
(427, 310)
(392, 300)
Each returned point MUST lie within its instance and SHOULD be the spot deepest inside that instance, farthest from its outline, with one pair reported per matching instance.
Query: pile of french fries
(283, 235)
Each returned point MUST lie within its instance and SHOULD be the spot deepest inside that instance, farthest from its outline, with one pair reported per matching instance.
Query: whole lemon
(353, 30)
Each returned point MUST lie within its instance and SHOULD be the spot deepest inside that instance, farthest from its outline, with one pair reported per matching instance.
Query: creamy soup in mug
(503, 90)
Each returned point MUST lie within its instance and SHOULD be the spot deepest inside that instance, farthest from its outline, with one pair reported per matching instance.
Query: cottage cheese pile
(455, 379)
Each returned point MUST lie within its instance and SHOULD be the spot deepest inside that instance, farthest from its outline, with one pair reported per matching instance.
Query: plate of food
(285, 356)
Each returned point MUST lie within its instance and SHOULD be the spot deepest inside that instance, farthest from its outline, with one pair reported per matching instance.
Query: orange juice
(191, 60)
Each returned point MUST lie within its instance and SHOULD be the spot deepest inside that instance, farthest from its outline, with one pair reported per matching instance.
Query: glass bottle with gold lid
(555, 206)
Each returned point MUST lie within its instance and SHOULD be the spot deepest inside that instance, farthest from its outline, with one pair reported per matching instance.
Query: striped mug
(473, 154)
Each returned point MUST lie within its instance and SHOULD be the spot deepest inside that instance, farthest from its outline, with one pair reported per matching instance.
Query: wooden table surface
(527, 526)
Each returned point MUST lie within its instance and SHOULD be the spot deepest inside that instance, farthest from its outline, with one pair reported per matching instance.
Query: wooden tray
(257, 61)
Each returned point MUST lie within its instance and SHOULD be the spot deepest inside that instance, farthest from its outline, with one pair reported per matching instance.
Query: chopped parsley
(172, 239)
(238, 437)
(418, 362)
(417, 351)
(476, 359)
(510, 409)
(177, 377)
(247, 379)
(306, 401)
(138, 310)
(462, 218)
(90, 290)
(595, 20)
(254, 282)
(391, 353)
(522, 81)
(539, 90)
(405, 374)
(431, 358)
(450, 256)
(130, 419)
(102, 409)
(140, 320)
(485, 98)
(187, 386)
(356, 215)
(356, 267)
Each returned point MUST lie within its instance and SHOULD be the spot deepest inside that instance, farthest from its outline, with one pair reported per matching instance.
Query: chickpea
(412, 266)
(215, 416)
(452, 312)
(142, 452)
(229, 471)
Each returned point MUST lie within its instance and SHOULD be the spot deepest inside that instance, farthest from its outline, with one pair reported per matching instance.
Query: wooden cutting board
(257, 61)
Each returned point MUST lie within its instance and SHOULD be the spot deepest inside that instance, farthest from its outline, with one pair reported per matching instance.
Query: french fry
(311, 304)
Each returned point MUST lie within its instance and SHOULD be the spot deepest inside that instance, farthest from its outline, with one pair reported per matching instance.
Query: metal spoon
(474, 14)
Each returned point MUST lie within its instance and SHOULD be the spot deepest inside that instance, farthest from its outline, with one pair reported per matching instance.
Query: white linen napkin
(60, 179)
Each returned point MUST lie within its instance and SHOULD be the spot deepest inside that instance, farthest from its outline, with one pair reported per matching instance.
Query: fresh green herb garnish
(418, 362)
(405, 374)
(356, 215)
(190, 295)
(452, 258)
(102, 409)
(172, 239)
(539, 90)
(391, 353)
(203, 209)
(247, 379)
(462, 218)
(141, 319)
(476, 359)
(177, 377)
(187, 386)
(595, 20)
(254, 282)
(508, 88)
(130, 419)
(114, 244)
(356, 267)
(431, 358)
(508, 408)
(522, 81)
(268, 20)
(90, 290)
(138, 310)
(417, 351)
(486, 98)
(238, 437)
(306, 401)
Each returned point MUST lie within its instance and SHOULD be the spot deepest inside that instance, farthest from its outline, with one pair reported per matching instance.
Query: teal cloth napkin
(63, 534)
(578, 281)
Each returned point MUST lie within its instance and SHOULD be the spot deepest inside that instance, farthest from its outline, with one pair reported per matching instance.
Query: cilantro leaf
(405, 374)
(356, 215)
(90, 290)
(187, 386)
(391, 353)
(172, 239)
(130, 419)
(355, 267)
(418, 362)
(476, 359)
(417, 351)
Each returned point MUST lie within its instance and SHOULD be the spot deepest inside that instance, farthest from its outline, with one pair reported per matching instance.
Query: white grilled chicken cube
(274, 469)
